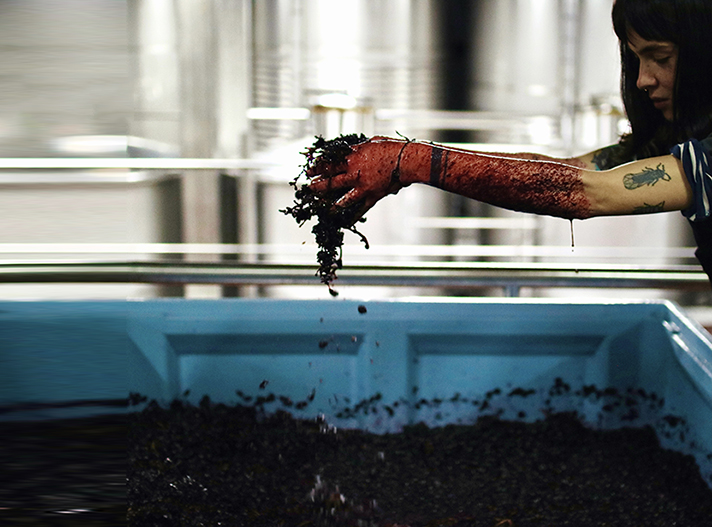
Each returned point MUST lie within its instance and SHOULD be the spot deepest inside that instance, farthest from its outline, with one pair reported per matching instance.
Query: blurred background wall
(65, 72)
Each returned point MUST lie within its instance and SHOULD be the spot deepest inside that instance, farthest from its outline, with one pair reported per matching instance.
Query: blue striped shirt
(696, 158)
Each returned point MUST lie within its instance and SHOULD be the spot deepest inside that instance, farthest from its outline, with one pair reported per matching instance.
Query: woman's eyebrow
(652, 48)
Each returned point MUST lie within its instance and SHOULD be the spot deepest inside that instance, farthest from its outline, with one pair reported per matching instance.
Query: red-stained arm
(577, 162)
(525, 185)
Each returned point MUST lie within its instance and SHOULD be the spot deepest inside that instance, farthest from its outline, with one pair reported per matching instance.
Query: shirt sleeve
(695, 157)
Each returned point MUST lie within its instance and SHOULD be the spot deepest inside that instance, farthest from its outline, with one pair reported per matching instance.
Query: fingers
(322, 167)
(384, 139)
(324, 183)
(351, 197)
(358, 206)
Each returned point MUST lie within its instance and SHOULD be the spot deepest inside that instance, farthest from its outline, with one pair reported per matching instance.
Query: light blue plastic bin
(398, 362)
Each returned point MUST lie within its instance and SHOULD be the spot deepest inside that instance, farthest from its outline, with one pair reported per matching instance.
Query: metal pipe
(509, 276)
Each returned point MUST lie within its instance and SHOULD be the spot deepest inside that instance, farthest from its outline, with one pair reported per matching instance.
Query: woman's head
(657, 69)
(666, 48)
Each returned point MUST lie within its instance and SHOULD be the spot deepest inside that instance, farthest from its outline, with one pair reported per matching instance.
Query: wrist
(414, 163)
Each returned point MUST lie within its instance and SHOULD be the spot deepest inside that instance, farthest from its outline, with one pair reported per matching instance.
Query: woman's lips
(659, 103)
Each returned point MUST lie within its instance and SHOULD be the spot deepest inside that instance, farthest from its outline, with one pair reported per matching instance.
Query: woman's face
(656, 76)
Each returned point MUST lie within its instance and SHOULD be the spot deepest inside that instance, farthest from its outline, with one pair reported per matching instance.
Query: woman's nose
(646, 79)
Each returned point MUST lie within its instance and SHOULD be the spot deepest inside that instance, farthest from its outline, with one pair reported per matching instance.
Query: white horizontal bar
(350, 250)
(431, 119)
(473, 223)
(290, 114)
(45, 163)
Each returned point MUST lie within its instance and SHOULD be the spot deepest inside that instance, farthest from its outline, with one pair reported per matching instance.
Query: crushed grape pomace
(330, 221)
(256, 463)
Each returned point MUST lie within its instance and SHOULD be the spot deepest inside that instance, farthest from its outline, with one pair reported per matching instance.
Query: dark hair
(688, 24)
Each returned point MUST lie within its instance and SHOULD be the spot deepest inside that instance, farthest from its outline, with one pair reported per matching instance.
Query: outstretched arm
(555, 187)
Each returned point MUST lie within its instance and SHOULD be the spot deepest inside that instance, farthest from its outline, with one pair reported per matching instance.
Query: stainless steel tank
(382, 53)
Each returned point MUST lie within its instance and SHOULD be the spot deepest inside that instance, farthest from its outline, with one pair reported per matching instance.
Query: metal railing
(511, 277)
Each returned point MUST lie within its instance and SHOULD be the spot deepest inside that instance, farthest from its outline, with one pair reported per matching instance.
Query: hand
(369, 173)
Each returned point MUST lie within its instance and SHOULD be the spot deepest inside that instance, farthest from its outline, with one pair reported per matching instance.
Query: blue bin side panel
(379, 363)
(55, 360)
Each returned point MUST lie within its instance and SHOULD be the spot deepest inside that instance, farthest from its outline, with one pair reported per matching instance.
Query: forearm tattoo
(649, 176)
(603, 159)
(646, 208)
(438, 166)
